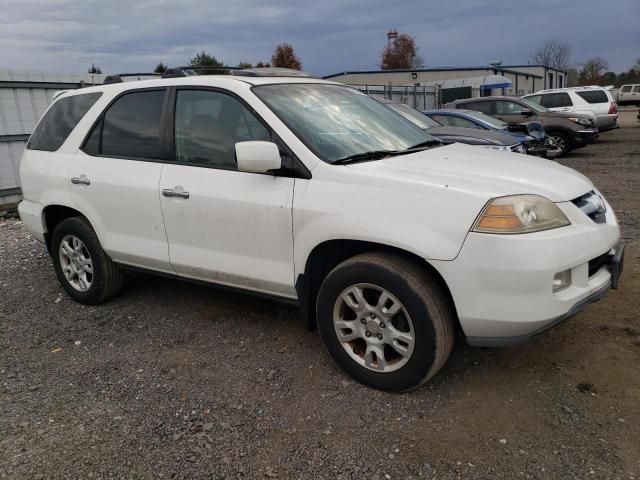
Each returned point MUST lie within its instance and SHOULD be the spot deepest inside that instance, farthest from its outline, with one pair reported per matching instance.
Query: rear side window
(636, 89)
(556, 100)
(130, 128)
(60, 120)
(594, 96)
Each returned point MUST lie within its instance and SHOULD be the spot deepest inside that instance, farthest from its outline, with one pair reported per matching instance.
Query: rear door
(224, 225)
(115, 178)
(558, 102)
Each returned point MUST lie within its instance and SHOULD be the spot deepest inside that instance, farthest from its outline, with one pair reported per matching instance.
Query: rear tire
(385, 321)
(83, 268)
(563, 142)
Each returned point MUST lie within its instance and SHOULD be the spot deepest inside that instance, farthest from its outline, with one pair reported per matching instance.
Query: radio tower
(392, 35)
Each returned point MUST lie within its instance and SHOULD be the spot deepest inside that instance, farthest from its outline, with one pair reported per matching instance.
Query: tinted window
(535, 98)
(461, 122)
(626, 89)
(132, 126)
(60, 120)
(636, 89)
(504, 107)
(556, 100)
(484, 107)
(208, 125)
(594, 96)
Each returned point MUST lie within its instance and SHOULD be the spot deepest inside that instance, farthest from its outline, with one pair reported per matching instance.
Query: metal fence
(416, 96)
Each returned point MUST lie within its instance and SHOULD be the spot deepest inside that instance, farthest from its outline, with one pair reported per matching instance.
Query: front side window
(60, 120)
(336, 121)
(489, 120)
(208, 125)
(504, 107)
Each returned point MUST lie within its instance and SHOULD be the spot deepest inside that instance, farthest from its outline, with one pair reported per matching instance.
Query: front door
(511, 112)
(223, 225)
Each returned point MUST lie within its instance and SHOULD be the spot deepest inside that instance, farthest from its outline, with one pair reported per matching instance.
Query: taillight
(613, 108)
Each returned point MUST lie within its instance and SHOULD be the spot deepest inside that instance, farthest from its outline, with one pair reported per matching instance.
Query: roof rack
(118, 78)
(272, 72)
(187, 71)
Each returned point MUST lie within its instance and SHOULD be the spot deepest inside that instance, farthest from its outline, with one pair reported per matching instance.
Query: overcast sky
(329, 36)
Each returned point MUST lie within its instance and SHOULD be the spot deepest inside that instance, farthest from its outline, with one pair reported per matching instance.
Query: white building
(524, 78)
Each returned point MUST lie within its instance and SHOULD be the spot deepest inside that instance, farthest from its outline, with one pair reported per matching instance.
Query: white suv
(312, 192)
(596, 101)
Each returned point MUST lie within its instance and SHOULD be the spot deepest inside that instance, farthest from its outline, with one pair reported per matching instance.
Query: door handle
(81, 180)
(168, 192)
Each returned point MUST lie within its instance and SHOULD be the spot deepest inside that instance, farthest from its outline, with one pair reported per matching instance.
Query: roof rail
(271, 72)
(118, 78)
(186, 71)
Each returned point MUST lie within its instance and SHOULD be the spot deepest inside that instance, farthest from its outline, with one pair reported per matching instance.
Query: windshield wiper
(363, 157)
(428, 143)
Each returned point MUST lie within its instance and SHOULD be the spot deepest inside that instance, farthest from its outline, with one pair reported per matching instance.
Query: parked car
(314, 193)
(531, 134)
(494, 140)
(586, 100)
(629, 94)
(568, 130)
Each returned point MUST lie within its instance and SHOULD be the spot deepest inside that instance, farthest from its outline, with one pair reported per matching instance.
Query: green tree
(94, 69)
(285, 57)
(160, 68)
(245, 65)
(204, 59)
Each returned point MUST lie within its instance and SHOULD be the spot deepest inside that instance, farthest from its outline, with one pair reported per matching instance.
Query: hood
(482, 172)
(488, 137)
(534, 128)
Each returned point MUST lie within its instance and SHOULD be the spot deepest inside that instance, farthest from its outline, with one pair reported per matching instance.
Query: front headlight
(581, 121)
(520, 214)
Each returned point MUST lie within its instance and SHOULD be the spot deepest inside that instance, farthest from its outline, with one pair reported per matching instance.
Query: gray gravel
(175, 380)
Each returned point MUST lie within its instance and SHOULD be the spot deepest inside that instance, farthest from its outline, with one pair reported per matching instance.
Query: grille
(597, 263)
(592, 206)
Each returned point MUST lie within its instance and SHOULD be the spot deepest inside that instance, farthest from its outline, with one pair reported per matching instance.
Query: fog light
(561, 280)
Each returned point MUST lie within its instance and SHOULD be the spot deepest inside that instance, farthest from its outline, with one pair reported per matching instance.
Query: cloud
(329, 36)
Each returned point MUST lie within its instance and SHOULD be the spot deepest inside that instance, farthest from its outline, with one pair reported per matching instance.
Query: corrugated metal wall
(24, 96)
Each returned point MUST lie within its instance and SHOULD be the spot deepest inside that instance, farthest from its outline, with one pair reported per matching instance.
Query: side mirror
(258, 156)
(526, 112)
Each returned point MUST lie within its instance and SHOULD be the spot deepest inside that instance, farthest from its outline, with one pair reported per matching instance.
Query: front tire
(385, 321)
(83, 268)
(563, 142)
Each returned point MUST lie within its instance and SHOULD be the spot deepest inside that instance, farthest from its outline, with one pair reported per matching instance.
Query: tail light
(613, 108)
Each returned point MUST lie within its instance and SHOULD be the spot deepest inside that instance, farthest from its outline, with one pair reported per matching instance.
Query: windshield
(336, 121)
(536, 107)
(413, 115)
(483, 117)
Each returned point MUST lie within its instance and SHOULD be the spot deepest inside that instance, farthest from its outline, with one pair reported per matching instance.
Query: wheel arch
(327, 255)
(52, 215)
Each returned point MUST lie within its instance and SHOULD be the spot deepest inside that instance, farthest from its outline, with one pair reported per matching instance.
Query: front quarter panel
(430, 221)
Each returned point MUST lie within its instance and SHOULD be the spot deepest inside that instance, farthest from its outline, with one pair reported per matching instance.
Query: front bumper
(582, 138)
(502, 284)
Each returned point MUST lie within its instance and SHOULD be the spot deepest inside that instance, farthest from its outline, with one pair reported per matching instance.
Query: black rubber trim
(518, 339)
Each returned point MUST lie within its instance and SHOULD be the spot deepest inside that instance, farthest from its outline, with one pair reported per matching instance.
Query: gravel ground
(175, 380)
